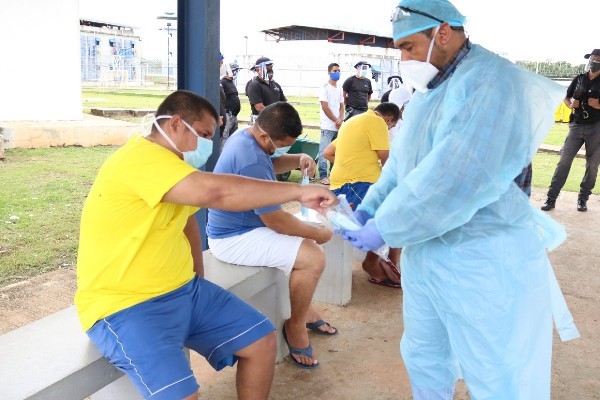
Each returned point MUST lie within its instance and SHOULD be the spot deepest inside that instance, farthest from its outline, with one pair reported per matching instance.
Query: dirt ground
(363, 361)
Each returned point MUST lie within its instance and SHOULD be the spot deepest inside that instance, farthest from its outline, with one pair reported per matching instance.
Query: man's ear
(175, 123)
(444, 34)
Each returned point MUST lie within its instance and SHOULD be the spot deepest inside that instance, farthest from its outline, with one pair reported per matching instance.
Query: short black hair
(394, 76)
(188, 105)
(280, 120)
(388, 109)
(330, 66)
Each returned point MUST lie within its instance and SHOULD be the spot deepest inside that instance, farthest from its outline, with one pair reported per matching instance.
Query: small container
(305, 181)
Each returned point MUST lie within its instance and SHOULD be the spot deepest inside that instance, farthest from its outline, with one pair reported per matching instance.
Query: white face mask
(196, 158)
(418, 73)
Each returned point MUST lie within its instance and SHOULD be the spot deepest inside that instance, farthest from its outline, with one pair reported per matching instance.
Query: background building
(110, 54)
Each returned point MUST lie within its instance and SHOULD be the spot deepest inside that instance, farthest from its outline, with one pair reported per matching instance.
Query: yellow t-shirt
(356, 159)
(132, 247)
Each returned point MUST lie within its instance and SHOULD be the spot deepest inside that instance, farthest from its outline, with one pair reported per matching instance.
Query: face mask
(394, 83)
(594, 66)
(266, 73)
(279, 151)
(196, 158)
(418, 73)
(364, 72)
(335, 76)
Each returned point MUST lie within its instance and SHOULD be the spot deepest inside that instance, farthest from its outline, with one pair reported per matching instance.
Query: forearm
(286, 163)
(230, 192)
(568, 102)
(287, 224)
(192, 232)
(327, 111)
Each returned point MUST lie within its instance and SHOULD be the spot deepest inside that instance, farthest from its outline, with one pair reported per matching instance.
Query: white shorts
(261, 247)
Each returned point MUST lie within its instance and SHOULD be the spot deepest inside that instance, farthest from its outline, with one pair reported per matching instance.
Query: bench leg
(335, 285)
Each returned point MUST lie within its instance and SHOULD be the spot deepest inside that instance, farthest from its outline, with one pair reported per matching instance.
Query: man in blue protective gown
(479, 291)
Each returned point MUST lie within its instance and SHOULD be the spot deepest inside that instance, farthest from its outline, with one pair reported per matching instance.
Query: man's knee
(265, 348)
(311, 257)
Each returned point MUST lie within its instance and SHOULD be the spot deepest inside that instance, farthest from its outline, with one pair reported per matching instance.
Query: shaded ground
(363, 361)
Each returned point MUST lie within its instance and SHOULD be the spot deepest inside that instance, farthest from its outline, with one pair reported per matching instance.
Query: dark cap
(361, 63)
(261, 60)
(595, 52)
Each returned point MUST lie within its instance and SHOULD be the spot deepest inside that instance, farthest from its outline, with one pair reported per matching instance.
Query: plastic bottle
(303, 209)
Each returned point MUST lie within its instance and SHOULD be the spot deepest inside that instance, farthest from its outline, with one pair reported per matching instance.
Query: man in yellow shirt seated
(359, 152)
(141, 296)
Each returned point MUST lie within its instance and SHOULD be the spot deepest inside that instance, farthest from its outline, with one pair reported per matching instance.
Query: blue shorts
(355, 192)
(146, 341)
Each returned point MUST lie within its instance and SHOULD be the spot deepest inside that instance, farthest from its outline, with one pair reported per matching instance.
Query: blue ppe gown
(479, 291)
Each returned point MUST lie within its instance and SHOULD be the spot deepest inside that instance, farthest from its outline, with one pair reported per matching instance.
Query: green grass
(557, 134)
(543, 169)
(42, 193)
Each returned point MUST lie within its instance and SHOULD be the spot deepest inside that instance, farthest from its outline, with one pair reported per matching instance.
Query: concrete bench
(53, 358)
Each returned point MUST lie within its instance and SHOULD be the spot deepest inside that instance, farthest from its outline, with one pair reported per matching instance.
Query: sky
(531, 30)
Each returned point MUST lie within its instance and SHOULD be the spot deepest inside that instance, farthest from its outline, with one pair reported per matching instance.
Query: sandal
(324, 181)
(314, 326)
(386, 282)
(302, 352)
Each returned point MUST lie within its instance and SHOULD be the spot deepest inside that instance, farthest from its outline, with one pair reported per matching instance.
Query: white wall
(40, 76)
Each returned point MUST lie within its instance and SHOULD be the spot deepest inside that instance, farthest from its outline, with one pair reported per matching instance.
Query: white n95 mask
(419, 73)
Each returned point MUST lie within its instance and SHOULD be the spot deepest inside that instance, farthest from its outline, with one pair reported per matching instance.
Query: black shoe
(549, 205)
(581, 205)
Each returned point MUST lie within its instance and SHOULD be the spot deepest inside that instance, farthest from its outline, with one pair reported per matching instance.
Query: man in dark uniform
(262, 90)
(584, 127)
(358, 90)
(232, 102)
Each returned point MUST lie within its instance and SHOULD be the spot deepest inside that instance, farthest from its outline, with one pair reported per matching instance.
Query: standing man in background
(331, 98)
(358, 90)
(232, 102)
(262, 90)
(584, 128)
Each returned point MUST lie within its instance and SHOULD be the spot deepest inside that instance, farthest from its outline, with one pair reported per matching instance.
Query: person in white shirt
(400, 96)
(332, 115)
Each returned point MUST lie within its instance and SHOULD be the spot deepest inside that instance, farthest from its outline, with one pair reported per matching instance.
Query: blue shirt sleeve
(260, 171)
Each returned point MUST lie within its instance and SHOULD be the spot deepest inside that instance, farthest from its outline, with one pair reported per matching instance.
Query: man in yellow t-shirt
(360, 151)
(141, 296)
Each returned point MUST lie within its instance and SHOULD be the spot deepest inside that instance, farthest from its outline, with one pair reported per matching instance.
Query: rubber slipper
(386, 282)
(390, 269)
(314, 326)
(302, 352)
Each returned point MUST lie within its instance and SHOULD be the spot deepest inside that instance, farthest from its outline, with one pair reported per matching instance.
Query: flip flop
(314, 326)
(390, 269)
(303, 352)
(386, 282)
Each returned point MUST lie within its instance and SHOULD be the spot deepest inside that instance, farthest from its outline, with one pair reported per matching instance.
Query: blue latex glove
(367, 238)
(362, 216)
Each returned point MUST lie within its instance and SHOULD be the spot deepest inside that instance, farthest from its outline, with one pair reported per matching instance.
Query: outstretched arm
(237, 193)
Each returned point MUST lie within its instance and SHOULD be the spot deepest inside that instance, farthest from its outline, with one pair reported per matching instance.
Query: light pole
(169, 16)
(168, 55)
(246, 57)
